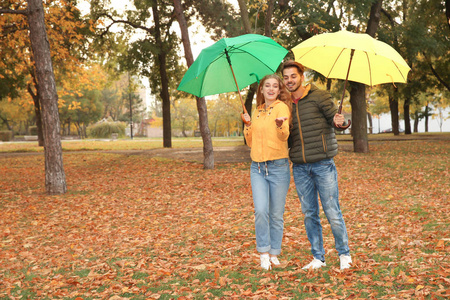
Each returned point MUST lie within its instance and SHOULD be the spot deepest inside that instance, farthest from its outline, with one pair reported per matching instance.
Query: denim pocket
(281, 162)
(326, 161)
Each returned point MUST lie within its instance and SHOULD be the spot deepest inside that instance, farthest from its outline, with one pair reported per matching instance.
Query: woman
(267, 135)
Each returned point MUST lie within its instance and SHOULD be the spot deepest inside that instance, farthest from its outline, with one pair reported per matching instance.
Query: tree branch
(123, 22)
(14, 12)
(435, 73)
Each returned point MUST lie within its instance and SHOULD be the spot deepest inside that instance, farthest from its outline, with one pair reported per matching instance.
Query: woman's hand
(279, 121)
(246, 118)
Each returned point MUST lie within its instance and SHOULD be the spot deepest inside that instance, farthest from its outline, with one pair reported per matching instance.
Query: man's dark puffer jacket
(312, 138)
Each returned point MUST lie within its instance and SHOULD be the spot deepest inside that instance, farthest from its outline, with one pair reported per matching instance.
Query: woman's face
(271, 89)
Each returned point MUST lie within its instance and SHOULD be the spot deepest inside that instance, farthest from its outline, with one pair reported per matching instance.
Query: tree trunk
(374, 19)
(244, 16)
(369, 118)
(208, 153)
(406, 107)
(393, 106)
(254, 86)
(359, 118)
(426, 117)
(358, 92)
(249, 102)
(268, 19)
(37, 111)
(55, 178)
(416, 121)
(167, 125)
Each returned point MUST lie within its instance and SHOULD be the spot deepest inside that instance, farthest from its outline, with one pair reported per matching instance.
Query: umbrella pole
(343, 93)
(239, 91)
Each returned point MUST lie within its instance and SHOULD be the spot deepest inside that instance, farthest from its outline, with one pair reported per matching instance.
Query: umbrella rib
(308, 52)
(399, 70)
(335, 61)
(370, 69)
(239, 48)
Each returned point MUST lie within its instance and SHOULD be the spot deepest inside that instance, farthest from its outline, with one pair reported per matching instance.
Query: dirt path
(236, 154)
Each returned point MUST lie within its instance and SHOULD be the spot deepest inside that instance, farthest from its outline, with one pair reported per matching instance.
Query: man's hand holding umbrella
(338, 120)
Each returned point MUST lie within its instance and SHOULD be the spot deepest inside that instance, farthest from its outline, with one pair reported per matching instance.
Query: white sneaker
(265, 262)
(314, 264)
(346, 261)
(274, 260)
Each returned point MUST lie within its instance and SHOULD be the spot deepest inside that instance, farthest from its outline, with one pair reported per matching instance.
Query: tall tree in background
(208, 153)
(418, 31)
(358, 92)
(55, 178)
(151, 54)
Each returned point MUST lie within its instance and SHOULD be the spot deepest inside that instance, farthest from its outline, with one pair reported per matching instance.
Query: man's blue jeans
(270, 183)
(311, 180)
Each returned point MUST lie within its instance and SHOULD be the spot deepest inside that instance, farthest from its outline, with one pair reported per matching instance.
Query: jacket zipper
(324, 143)
(301, 134)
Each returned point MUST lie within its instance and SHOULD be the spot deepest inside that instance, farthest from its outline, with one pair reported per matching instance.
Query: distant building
(148, 130)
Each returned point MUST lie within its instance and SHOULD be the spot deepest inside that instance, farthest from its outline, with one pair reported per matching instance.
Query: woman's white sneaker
(265, 262)
(274, 260)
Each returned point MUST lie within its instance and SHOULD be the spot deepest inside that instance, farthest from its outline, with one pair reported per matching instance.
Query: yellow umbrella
(352, 56)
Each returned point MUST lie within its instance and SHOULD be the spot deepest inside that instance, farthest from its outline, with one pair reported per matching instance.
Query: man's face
(292, 79)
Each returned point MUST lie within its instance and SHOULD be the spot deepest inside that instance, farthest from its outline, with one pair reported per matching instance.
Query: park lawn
(137, 227)
(189, 142)
(121, 144)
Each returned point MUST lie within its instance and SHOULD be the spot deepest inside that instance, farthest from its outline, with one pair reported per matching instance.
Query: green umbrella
(231, 63)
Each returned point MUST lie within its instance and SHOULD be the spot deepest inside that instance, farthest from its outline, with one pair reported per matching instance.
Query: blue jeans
(270, 183)
(320, 178)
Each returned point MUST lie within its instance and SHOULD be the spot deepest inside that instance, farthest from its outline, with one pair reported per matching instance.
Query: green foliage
(6, 136)
(218, 17)
(105, 129)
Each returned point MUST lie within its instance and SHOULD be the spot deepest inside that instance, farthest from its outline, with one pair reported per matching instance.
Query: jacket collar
(305, 93)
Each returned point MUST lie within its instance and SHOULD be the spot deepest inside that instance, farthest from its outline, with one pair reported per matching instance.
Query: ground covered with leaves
(136, 227)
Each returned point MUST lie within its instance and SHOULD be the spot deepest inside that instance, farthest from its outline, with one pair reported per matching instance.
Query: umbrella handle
(343, 93)
(239, 91)
(348, 121)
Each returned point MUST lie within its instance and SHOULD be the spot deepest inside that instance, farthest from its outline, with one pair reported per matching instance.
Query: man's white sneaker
(274, 260)
(346, 261)
(315, 264)
(265, 262)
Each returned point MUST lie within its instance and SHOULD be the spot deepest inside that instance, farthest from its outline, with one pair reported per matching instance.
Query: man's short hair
(293, 64)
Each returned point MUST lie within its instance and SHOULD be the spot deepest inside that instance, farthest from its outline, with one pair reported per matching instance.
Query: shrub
(105, 129)
(33, 130)
(6, 136)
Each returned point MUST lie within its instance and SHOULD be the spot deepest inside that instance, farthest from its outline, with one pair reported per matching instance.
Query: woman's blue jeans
(311, 180)
(270, 183)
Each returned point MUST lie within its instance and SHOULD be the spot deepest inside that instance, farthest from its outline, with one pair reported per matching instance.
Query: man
(313, 145)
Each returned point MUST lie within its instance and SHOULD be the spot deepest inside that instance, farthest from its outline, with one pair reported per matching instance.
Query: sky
(199, 40)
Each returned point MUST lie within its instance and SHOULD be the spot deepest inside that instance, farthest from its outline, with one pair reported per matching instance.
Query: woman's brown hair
(284, 95)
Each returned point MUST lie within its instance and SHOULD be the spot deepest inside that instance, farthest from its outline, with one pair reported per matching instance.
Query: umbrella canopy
(231, 64)
(373, 62)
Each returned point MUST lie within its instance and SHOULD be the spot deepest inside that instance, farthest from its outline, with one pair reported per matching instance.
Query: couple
(312, 146)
